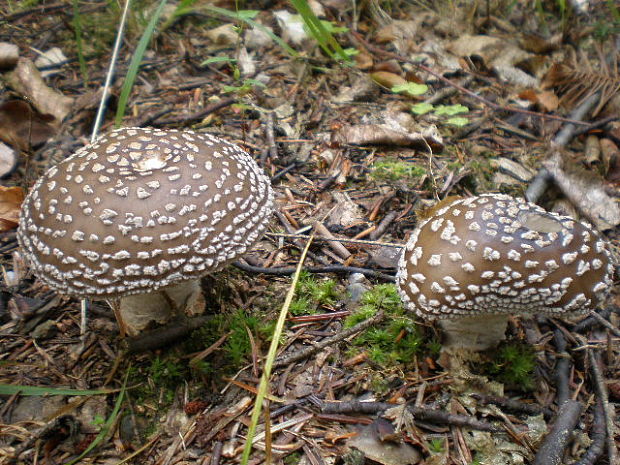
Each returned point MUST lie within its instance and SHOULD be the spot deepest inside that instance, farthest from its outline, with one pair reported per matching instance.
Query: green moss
(313, 293)
(396, 170)
(397, 339)
(237, 346)
(513, 364)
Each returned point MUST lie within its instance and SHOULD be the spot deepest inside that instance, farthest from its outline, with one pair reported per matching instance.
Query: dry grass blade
(271, 355)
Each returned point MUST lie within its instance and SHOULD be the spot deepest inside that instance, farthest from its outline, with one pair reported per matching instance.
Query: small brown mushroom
(477, 260)
(141, 210)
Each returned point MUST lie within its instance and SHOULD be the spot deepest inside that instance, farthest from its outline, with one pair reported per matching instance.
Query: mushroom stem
(138, 311)
(474, 332)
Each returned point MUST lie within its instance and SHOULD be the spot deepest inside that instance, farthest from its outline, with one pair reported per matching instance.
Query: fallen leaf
(23, 127)
(387, 79)
(381, 134)
(385, 452)
(26, 79)
(11, 199)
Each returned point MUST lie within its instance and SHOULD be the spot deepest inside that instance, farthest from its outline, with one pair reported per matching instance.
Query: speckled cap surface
(141, 209)
(495, 254)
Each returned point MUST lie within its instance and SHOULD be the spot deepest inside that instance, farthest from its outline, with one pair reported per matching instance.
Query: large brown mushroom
(477, 260)
(142, 210)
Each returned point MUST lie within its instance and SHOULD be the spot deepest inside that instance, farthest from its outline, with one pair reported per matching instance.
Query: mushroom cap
(140, 209)
(495, 254)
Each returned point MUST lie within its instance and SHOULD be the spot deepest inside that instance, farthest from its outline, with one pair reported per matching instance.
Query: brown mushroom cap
(494, 254)
(140, 209)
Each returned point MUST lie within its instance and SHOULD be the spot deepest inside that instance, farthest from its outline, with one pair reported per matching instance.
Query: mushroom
(141, 210)
(477, 260)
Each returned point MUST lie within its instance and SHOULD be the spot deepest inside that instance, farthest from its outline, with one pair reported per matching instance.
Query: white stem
(474, 332)
(140, 310)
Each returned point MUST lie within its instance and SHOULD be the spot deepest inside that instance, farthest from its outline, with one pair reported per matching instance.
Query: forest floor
(436, 99)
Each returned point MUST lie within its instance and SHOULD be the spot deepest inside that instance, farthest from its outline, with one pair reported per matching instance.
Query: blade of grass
(136, 60)
(110, 75)
(271, 355)
(240, 16)
(325, 38)
(77, 26)
(11, 389)
(105, 429)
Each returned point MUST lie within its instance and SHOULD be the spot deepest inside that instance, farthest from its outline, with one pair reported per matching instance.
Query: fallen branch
(552, 449)
(432, 416)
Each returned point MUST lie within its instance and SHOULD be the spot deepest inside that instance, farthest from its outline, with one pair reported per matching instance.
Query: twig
(552, 449)
(601, 392)
(562, 368)
(591, 322)
(286, 271)
(598, 434)
(512, 405)
(605, 323)
(328, 341)
(420, 413)
(383, 225)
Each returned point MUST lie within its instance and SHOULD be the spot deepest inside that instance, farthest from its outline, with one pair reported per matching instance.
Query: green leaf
(12, 389)
(208, 61)
(422, 108)
(410, 88)
(136, 60)
(457, 121)
(450, 110)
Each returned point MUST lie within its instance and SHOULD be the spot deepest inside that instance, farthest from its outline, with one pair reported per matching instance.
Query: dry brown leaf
(585, 190)
(26, 79)
(546, 100)
(23, 127)
(11, 199)
(387, 79)
(381, 134)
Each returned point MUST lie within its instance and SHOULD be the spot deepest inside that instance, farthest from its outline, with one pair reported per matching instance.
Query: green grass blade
(271, 355)
(240, 16)
(325, 38)
(77, 26)
(136, 60)
(105, 429)
(11, 389)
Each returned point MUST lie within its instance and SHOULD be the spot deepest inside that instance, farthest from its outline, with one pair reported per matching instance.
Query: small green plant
(410, 88)
(396, 170)
(513, 364)
(443, 111)
(166, 372)
(313, 293)
(436, 445)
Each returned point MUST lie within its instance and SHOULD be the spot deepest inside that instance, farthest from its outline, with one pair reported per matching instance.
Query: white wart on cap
(141, 209)
(497, 255)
